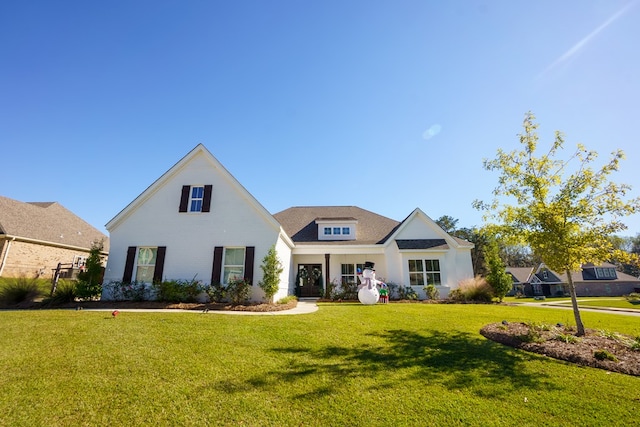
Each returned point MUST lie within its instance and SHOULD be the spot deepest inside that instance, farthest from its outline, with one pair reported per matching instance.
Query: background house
(591, 280)
(198, 221)
(36, 236)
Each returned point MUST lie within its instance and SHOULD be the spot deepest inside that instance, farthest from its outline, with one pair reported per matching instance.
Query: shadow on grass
(455, 360)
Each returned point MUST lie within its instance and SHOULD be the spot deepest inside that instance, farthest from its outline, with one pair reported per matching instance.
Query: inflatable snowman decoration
(368, 293)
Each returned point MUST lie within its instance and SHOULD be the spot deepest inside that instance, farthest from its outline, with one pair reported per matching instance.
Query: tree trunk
(574, 304)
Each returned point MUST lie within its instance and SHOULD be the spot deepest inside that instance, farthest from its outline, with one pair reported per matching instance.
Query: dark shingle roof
(299, 224)
(421, 244)
(48, 222)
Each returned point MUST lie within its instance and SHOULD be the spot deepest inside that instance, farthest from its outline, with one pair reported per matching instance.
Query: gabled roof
(417, 213)
(47, 222)
(299, 223)
(199, 150)
(520, 274)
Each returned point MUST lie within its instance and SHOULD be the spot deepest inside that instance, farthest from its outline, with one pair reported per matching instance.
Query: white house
(197, 220)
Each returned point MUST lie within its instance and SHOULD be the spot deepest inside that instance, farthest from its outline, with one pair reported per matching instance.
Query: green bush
(19, 290)
(604, 355)
(177, 290)
(89, 285)
(238, 291)
(120, 291)
(216, 291)
(271, 269)
(431, 291)
(407, 293)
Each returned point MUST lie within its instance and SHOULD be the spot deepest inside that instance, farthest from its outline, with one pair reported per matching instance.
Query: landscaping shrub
(120, 291)
(238, 291)
(65, 293)
(19, 290)
(287, 299)
(473, 290)
(604, 355)
(177, 290)
(217, 292)
(432, 292)
(407, 293)
(271, 269)
(89, 285)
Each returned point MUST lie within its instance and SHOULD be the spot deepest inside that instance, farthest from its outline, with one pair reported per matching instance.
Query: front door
(309, 280)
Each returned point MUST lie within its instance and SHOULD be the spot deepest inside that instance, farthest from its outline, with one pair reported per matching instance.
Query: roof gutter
(46, 243)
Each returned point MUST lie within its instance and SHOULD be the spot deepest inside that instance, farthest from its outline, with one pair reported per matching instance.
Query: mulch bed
(123, 305)
(581, 352)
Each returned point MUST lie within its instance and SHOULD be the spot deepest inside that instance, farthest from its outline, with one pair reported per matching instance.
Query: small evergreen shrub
(19, 290)
(407, 293)
(604, 355)
(271, 269)
(432, 292)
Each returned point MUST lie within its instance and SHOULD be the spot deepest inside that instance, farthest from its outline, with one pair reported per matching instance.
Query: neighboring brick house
(36, 236)
(591, 281)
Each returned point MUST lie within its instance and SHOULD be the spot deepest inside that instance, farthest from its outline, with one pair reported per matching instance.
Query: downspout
(6, 254)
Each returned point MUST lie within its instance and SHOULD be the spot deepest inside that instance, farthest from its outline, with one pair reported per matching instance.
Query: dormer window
(336, 228)
(195, 198)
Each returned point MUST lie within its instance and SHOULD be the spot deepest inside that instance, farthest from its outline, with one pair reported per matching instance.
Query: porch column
(327, 257)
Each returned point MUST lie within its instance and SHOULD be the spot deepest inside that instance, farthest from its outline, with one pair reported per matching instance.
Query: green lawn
(347, 364)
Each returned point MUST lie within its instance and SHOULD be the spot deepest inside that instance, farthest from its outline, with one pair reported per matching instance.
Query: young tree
(564, 216)
(90, 278)
(271, 270)
(497, 277)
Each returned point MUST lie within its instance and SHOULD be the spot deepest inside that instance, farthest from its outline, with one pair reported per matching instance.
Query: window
(233, 264)
(346, 231)
(146, 264)
(605, 273)
(327, 231)
(349, 273)
(424, 272)
(336, 230)
(196, 199)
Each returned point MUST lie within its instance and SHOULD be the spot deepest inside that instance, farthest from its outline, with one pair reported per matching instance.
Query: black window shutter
(159, 268)
(248, 263)
(206, 201)
(184, 198)
(128, 266)
(217, 265)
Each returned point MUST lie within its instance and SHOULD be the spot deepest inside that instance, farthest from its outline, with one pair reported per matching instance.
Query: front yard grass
(347, 364)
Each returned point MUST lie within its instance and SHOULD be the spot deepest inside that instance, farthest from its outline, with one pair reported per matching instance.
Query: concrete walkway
(560, 305)
(303, 307)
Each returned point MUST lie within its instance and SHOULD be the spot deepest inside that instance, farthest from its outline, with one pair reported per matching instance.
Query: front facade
(198, 221)
(37, 237)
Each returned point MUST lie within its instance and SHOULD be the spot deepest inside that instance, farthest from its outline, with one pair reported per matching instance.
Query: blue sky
(386, 105)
